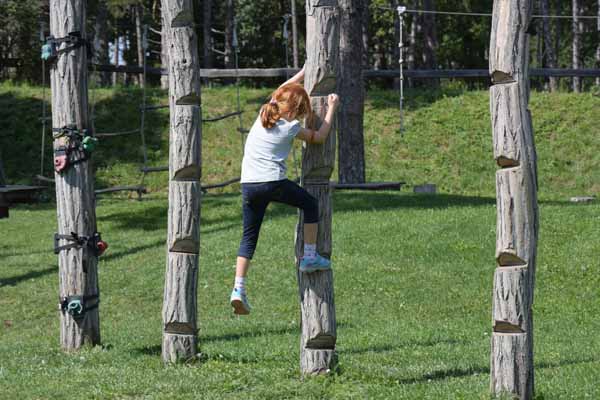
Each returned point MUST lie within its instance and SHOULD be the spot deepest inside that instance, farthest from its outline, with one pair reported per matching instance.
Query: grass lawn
(413, 274)
(413, 282)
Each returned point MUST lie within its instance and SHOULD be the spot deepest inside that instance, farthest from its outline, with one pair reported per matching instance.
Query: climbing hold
(89, 143)
(74, 307)
(101, 245)
(48, 51)
(60, 159)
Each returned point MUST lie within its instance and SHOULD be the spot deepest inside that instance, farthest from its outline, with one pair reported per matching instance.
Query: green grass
(413, 280)
(413, 274)
(447, 139)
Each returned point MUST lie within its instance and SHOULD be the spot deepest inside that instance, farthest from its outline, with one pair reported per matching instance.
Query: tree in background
(351, 156)
(577, 31)
(548, 49)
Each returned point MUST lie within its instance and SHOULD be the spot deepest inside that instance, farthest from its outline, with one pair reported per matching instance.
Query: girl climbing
(264, 177)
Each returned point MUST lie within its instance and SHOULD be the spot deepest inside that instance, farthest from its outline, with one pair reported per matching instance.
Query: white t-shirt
(266, 151)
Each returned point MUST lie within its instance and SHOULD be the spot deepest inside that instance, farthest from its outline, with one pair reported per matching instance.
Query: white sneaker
(239, 302)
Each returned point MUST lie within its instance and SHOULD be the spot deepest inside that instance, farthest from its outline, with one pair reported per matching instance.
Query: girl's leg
(241, 267)
(292, 194)
(253, 209)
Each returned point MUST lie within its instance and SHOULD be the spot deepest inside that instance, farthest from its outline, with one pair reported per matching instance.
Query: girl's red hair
(291, 99)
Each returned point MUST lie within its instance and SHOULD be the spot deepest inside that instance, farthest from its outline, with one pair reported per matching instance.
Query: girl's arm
(298, 78)
(320, 136)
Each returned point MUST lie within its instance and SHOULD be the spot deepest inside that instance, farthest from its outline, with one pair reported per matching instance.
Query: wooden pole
(164, 51)
(75, 203)
(183, 239)
(318, 333)
(517, 208)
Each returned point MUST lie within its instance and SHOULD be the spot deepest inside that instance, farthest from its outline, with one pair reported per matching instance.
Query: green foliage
(463, 41)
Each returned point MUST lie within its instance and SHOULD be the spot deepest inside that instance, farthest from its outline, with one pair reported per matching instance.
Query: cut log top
(509, 42)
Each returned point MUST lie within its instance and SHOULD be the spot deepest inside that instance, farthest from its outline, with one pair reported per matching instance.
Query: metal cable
(473, 14)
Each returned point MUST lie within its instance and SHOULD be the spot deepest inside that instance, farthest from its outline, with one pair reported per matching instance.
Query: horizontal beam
(367, 74)
(367, 186)
(138, 189)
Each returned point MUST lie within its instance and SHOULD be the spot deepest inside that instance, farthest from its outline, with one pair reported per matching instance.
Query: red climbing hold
(60, 163)
(102, 246)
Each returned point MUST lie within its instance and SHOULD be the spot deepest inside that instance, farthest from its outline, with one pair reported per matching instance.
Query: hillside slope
(447, 140)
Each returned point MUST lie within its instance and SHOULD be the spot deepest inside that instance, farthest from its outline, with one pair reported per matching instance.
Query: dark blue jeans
(255, 199)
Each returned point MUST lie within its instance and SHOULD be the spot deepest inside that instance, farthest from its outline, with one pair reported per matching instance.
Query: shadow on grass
(459, 373)
(155, 350)
(133, 250)
(15, 280)
(155, 217)
(379, 201)
(386, 348)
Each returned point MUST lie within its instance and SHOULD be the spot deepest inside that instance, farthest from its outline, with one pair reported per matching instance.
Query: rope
(236, 51)
(143, 108)
(473, 14)
(44, 117)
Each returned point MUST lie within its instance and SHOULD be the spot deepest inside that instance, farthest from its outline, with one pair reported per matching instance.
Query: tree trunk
(164, 51)
(431, 42)
(577, 30)
(412, 44)
(183, 240)
(206, 26)
(295, 35)
(100, 44)
(598, 48)
(229, 26)
(116, 50)
(139, 35)
(395, 47)
(512, 370)
(351, 159)
(75, 203)
(548, 47)
(366, 21)
(318, 333)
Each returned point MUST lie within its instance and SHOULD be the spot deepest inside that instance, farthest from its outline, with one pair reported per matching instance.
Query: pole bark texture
(516, 205)
(164, 51)
(351, 161)
(183, 238)
(317, 308)
(75, 203)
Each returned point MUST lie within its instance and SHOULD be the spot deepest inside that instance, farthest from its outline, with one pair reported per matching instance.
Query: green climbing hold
(75, 307)
(47, 51)
(89, 143)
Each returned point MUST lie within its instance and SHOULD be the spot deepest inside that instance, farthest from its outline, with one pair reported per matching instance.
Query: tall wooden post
(318, 333)
(75, 203)
(183, 240)
(517, 209)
